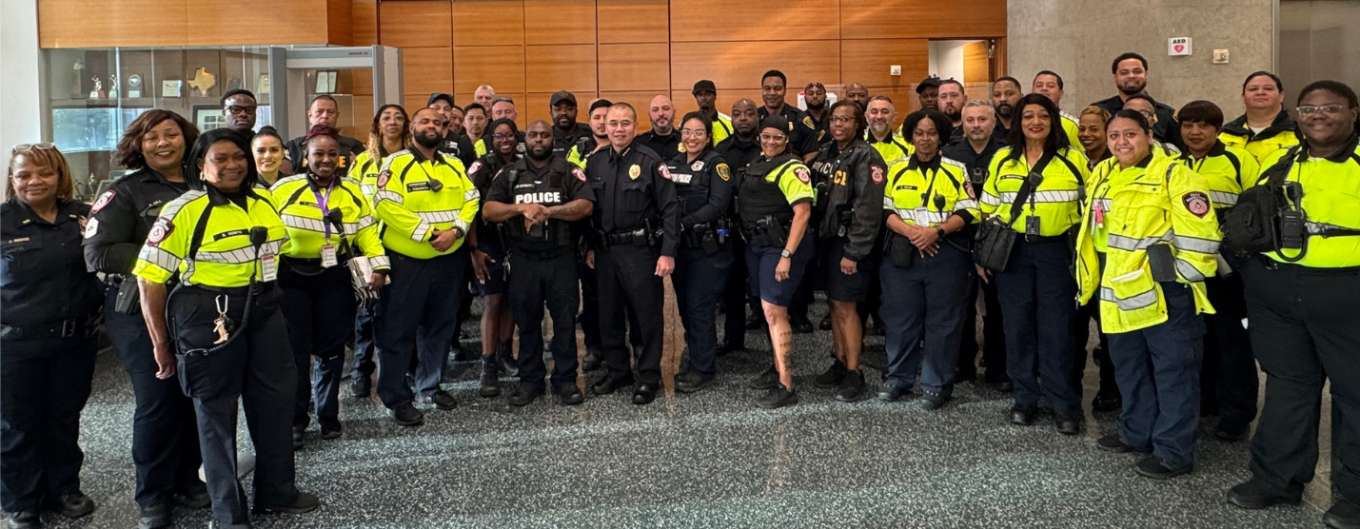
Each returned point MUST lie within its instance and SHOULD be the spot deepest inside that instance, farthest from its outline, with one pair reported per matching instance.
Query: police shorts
(760, 265)
(497, 278)
(841, 287)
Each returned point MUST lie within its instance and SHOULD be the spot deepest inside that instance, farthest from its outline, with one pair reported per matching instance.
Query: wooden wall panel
(412, 102)
(364, 21)
(488, 22)
(501, 66)
(637, 67)
(738, 65)
(427, 70)
(339, 22)
(880, 19)
(976, 64)
(288, 22)
(639, 100)
(631, 21)
(868, 61)
(768, 20)
(560, 67)
(121, 23)
(415, 24)
(559, 22)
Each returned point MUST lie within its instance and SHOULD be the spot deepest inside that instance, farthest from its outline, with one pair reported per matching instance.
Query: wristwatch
(940, 232)
(785, 254)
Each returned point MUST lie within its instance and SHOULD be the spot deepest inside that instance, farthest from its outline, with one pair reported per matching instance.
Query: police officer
(455, 143)
(925, 267)
(566, 131)
(164, 439)
(975, 153)
(1228, 377)
(1035, 293)
(1005, 98)
(1303, 291)
(598, 138)
(663, 139)
(742, 149)
(47, 330)
(426, 203)
(703, 181)
(802, 131)
(776, 209)
(1151, 284)
(928, 94)
(880, 114)
(848, 237)
(814, 98)
(590, 302)
(323, 110)
(706, 96)
(387, 135)
(230, 341)
(329, 223)
(539, 197)
(1265, 127)
(475, 118)
(489, 264)
(1130, 72)
(638, 230)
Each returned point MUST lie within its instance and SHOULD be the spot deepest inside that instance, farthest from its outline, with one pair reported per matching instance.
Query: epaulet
(953, 162)
(173, 207)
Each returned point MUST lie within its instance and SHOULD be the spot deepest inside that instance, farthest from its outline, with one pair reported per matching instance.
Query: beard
(817, 107)
(954, 116)
(540, 154)
(428, 141)
(1004, 109)
(1131, 88)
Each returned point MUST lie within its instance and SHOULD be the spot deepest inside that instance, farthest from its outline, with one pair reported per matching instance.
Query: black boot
(491, 378)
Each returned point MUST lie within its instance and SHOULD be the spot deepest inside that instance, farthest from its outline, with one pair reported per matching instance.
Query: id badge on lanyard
(329, 256)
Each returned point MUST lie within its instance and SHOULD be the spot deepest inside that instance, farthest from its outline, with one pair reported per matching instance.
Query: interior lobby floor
(712, 460)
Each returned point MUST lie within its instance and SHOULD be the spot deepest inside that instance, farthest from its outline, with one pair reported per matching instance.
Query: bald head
(744, 117)
(858, 93)
(538, 140)
(662, 113)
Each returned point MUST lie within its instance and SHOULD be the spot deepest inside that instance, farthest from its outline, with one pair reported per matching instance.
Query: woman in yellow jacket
(1154, 221)
(1265, 128)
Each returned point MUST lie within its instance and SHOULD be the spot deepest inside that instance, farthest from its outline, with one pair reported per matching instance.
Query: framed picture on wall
(208, 117)
(325, 81)
(171, 88)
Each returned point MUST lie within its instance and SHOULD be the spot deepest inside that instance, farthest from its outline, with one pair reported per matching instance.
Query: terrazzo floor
(709, 460)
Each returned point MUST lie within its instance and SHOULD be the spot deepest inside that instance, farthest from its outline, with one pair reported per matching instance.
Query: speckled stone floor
(709, 460)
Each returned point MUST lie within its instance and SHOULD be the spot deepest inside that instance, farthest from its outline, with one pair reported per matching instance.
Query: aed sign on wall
(1176, 46)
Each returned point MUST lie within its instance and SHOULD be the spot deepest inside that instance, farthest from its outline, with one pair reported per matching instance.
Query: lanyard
(322, 202)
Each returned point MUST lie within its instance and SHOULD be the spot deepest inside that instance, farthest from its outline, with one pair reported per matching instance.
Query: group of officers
(224, 247)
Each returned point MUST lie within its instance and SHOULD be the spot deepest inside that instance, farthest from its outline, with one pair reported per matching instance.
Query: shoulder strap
(1276, 174)
(1027, 187)
(199, 228)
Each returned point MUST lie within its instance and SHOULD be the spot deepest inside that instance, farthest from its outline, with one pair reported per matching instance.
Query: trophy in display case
(98, 92)
(77, 79)
(113, 86)
(134, 85)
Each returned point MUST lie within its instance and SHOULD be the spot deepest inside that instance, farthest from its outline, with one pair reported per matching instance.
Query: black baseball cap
(704, 85)
(928, 82)
(439, 96)
(562, 96)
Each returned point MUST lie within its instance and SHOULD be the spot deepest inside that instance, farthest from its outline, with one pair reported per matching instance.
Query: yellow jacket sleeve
(366, 239)
(389, 200)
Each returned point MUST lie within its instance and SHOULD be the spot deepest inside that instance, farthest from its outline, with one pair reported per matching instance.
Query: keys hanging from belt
(222, 324)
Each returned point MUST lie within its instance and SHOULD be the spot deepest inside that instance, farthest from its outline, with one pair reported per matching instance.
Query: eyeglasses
(842, 119)
(502, 137)
(693, 133)
(1326, 109)
(234, 109)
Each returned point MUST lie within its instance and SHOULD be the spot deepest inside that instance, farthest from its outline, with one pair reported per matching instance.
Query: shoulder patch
(91, 228)
(474, 167)
(103, 200)
(803, 174)
(383, 177)
(724, 172)
(578, 173)
(807, 122)
(876, 173)
(159, 231)
(1196, 202)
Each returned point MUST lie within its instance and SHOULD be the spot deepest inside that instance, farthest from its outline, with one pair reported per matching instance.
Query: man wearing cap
(814, 97)
(663, 138)
(566, 131)
(455, 143)
(802, 133)
(928, 93)
(706, 96)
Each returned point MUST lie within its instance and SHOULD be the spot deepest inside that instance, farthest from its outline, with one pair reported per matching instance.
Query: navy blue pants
(993, 334)
(320, 314)
(923, 309)
(534, 283)
(164, 431)
(1305, 332)
(1229, 377)
(629, 291)
(417, 311)
(44, 384)
(699, 283)
(1157, 369)
(736, 297)
(1037, 294)
(256, 370)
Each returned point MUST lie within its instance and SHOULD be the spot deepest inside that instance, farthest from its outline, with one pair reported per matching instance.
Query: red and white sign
(1177, 46)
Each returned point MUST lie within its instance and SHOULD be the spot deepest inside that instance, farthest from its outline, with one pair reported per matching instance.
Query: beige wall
(1079, 38)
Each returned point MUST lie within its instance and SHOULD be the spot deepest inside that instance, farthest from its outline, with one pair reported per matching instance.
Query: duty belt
(60, 329)
(637, 237)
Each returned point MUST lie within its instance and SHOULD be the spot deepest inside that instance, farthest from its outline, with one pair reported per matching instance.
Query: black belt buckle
(68, 328)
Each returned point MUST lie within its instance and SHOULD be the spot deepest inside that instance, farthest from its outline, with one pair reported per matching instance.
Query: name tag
(681, 178)
(328, 256)
(269, 267)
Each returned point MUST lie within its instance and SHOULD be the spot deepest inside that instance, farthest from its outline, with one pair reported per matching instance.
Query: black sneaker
(832, 377)
(933, 401)
(1343, 515)
(894, 393)
(154, 517)
(609, 384)
(491, 380)
(691, 382)
(360, 387)
(443, 400)
(331, 430)
(73, 505)
(1105, 402)
(195, 497)
(304, 502)
(569, 395)
(23, 520)
(1256, 494)
(778, 397)
(1112, 442)
(767, 379)
(506, 356)
(406, 414)
(1152, 467)
(524, 394)
(851, 388)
